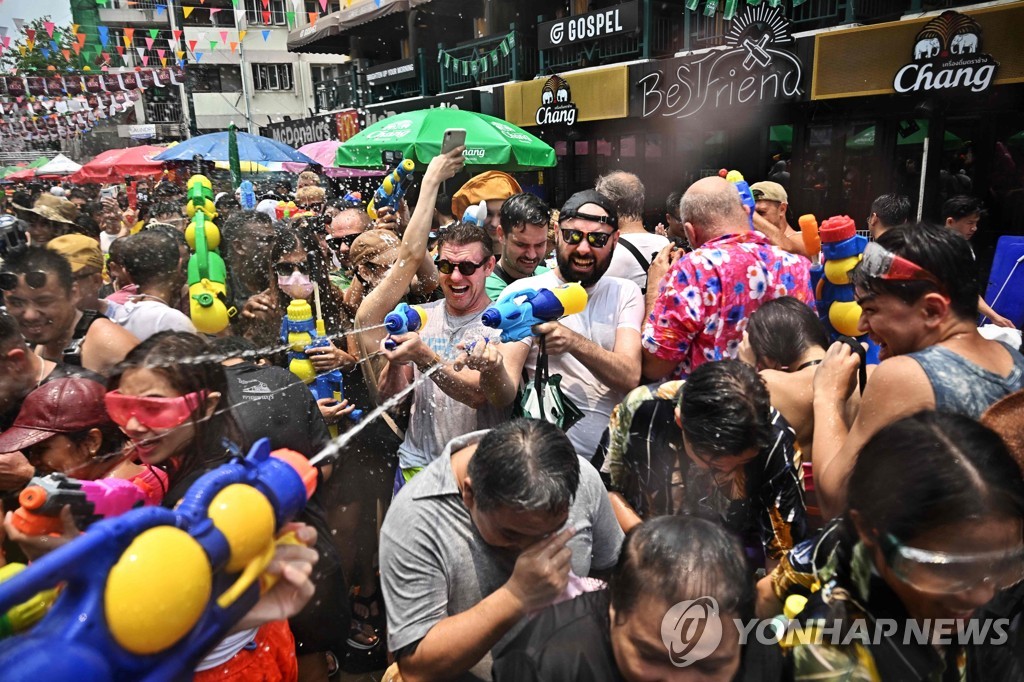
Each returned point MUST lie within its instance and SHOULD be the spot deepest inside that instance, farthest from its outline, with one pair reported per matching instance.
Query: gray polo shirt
(434, 564)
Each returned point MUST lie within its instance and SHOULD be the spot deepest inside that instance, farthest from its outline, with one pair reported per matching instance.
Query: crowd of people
(705, 436)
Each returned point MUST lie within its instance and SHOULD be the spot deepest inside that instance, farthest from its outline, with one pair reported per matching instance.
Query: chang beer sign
(947, 55)
(556, 104)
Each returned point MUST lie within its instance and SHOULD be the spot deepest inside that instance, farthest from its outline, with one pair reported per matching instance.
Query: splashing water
(336, 445)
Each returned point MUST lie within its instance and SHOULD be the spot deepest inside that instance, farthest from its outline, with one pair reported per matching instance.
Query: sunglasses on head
(284, 268)
(596, 239)
(336, 242)
(467, 268)
(879, 262)
(35, 280)
(152, 413)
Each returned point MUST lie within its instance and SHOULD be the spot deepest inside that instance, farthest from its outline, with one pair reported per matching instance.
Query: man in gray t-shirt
(500, 526)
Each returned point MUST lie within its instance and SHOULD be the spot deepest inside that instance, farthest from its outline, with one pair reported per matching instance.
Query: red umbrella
(26, 174)
(114, 164)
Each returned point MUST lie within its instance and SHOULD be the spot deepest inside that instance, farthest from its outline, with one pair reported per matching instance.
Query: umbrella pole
(924, 174)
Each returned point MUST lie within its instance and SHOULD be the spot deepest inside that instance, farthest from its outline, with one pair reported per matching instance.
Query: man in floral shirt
(700, 309)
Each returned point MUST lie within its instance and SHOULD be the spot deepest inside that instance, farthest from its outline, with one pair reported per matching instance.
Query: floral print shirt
(709, 294)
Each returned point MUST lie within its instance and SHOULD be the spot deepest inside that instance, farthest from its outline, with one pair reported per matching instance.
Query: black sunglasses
(35, 280)
(467, 268)
(284, 268)
(336, 242)
(596, 239)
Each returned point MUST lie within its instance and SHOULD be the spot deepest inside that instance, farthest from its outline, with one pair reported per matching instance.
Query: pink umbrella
(324, 154)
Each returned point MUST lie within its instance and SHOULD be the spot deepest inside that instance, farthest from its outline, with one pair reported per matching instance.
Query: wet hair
(962, 206)
(943, 253)
(168, 230)
(527, 465)
(523, 209)
(235, 347)
(725, 409)
(25, 259)
(10, 337)
(165, 208)
(672, 204)
(464, 234)
(238, 224)
(85, 224)
(78, 193)
(891, 209)
(292, 239)
(783, 329)
(931, 470)
(163, 354)
(625, 190)
(149, 256)
(116, 251)
(679, 558)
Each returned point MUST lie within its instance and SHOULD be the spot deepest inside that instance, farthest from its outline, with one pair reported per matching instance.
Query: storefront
(481, 101)
(337, 126)
(934, 114)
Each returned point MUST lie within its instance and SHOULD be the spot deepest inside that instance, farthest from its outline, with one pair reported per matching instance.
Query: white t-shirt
(624, 263)
(145, 318)
(612, 303)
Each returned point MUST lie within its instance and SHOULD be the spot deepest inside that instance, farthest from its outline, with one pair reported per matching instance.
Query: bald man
(700, 308)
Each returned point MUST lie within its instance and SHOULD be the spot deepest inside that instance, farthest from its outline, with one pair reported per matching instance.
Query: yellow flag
(181, 54)
(187, 11)
(74, 28)
(241, 35)
(163, 61)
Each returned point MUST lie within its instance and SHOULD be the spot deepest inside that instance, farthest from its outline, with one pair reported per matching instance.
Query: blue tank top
(962, 387)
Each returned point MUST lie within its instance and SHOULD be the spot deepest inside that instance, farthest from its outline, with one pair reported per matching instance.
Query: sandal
(370, 611)
(357, 631)
(333, 666)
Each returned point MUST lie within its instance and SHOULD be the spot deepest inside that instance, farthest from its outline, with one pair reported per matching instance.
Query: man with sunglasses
(41, 294)
(343, 230)
(917, 287)
(700, 308)
(596, 351)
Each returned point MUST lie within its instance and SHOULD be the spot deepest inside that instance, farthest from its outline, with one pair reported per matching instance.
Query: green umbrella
(233, 162)
(490, 141)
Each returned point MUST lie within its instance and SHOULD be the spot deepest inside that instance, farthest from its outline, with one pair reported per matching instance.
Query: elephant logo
(947, 55)
(927, 48)
(964, 43)
(950, 33)
(556, 105)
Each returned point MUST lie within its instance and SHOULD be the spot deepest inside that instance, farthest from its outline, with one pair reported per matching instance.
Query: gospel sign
(752, 69)
(946, 56)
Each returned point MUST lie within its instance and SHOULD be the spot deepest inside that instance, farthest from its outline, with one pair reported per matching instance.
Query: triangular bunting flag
(159, 12)
(104, 35)
(127, 41)
(289, 16)
(266, 17)
(49, 26)
(163, 61)
(120, 50)
(266, 4)
(239, 16)
(202, 2)
(313, 16)
(323, 5)
(213, 45)
(266, 35)
(77, 48)
(153, 33)
(223, 36)
(172, 44)
(19, 24)
(202, 36)
(3, 31)
(106, 56)
(149, 43)
(140, 50)
(199, 56)
(74, 28)
(187, 11)
(213, 13)
(234, 3)
(176, 33)
(145, 61)
(161, 53)
(180, 55)
(66, 53)
(241, 35)
(192, 45)
(233, 46)
(31, 33)
(129, 33)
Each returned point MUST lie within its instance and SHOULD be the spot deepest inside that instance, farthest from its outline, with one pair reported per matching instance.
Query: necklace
(809, 363)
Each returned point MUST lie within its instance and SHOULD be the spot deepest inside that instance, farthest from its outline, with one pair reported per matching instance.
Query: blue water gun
(403, 319)
(515, 312)
(204, 562)
(248, 196)
(746, 196)
(392, 189)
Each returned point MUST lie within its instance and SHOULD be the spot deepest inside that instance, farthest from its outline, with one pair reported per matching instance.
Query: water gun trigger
(268, 580)
(252, 572)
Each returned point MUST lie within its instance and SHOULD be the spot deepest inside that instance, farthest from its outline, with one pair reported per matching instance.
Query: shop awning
(327, 35)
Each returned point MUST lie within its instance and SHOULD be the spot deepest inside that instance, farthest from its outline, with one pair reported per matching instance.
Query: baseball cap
(79, 250)
(484, 187)
(571, 208)
(769, 191)
(65, 405)
(371, 244)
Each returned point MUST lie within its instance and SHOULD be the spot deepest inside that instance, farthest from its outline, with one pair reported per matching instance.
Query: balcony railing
(338, 93)
(163, 112)
(520, 63)
(136, 4)
(426, 82)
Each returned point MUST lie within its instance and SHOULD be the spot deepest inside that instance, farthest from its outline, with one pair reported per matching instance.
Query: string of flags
(479, 64)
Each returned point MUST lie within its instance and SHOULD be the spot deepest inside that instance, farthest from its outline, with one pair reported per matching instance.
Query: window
(272, 76)
(254, 10)
(215, 78)
(324, 72)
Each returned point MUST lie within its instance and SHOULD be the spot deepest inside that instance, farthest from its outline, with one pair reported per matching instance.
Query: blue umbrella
(214, 147)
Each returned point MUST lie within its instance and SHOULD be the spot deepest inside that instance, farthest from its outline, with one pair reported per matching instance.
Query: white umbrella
(60, 165)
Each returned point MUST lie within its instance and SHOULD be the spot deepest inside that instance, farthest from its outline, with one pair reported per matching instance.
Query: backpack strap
(644, 263)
